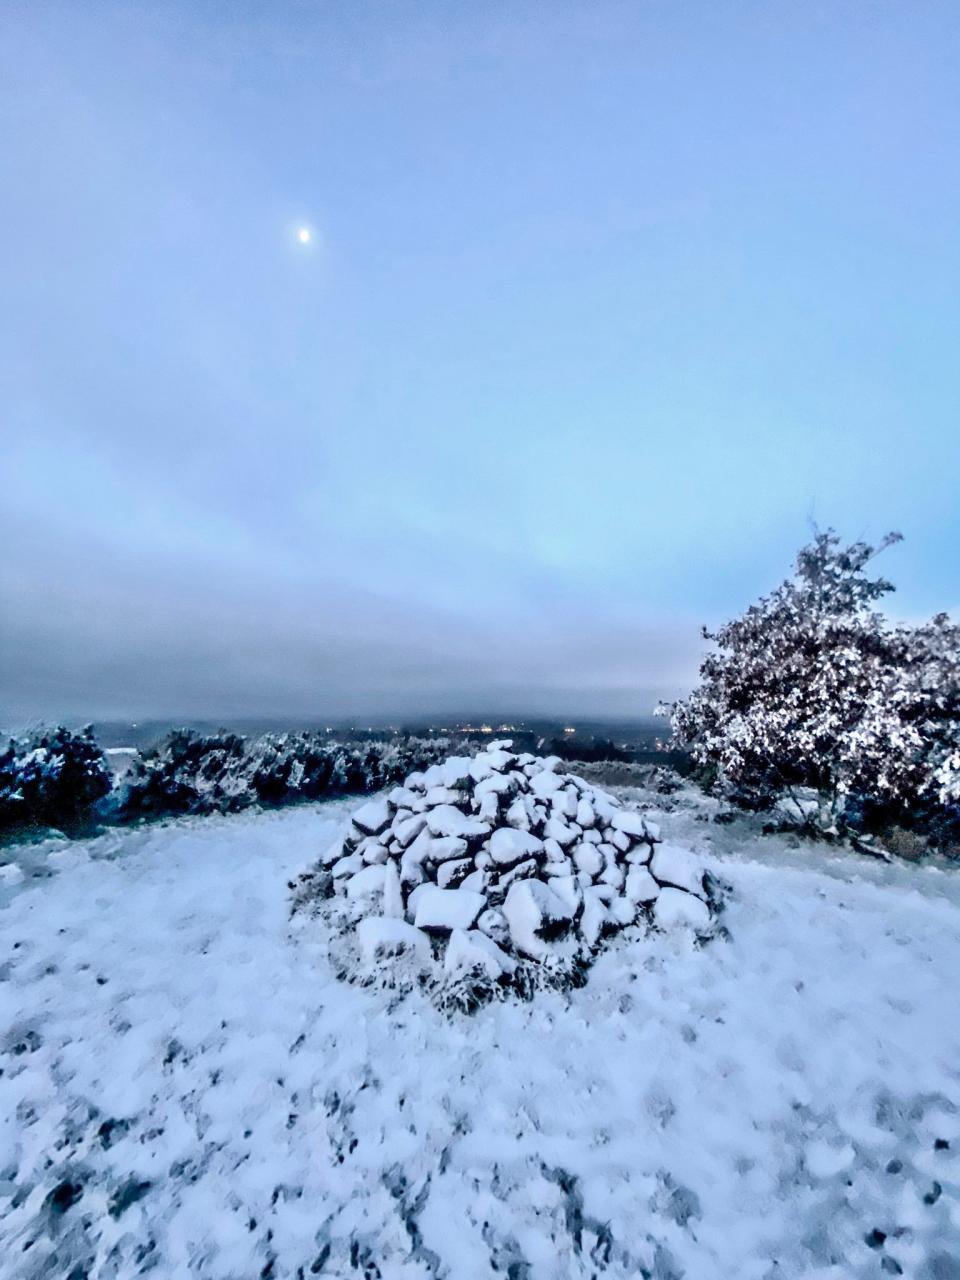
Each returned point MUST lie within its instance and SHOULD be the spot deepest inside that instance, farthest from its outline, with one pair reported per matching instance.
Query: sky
(606, 306)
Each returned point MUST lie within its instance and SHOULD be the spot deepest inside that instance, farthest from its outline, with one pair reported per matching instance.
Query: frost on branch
(814, 690)
(497, 872)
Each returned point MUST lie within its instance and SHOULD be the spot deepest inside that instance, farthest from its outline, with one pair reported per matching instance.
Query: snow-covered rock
(532, 908)
(674, 907)
(446, 820)
(470, 949)
(505, 858)
(672, 865)
(368, 881)
(373, 817)
(448, 909)
(380, 936)
(508, 845)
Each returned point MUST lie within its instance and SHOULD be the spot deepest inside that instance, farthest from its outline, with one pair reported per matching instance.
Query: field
(189, 1089)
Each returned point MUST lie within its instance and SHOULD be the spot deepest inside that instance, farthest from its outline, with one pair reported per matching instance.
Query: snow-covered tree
(814, 688)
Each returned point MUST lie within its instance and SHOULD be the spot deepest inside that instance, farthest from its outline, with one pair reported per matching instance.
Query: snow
(754, 1108)
(630, 824)
(673, 908)
(676, 866)
(445, 820)
(368, 881)
(447, 908)
(509, 845)
(471, 949)
(641, 886)
(383, 935)
(373, 817)
(531, 905)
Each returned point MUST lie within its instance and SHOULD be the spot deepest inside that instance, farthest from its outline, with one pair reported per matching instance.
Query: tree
(813, 688)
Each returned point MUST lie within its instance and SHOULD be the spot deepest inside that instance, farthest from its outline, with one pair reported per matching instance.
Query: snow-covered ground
(186, 1086)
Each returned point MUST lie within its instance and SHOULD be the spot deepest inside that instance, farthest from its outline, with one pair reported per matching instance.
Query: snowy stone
(494, 925)
(639, 855)
(372, 851)
(471, 949)
(366, 882)
(557, 829)
(653, 829)
(348, 865)
(373, 817)
(340, 848)
(593, 918)
(612, 875)
(564, 803)
(480, 768)
(508, 845)
(622, 911)
(441, 795)
(452, 873)
(517, 815)
(489, 809)
(497, 784)
(381, 936)
(403, 798)
(544, 784)
(455, 771)
(408, 829)
(11, 874)
(630, 823)
(554, 851)
(445, 820)
(620, 840)
(443, 848)
(447, 909)
(475, 881)
(518, 872)
(568, 890)
(585, 815)
(676, 907)
(392, 893)
(641, 886)
(588, 858)
(562, 868)
(675, 866)
(499, 759)
(532, 906)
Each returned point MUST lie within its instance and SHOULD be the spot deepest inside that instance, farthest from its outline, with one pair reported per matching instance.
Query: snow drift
(491, 864)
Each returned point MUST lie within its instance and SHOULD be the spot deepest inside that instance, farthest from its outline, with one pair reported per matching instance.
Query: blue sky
(605, 304)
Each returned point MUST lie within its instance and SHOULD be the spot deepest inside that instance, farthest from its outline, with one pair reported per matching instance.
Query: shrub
(53, 778)
(189, 773)
(813, 688)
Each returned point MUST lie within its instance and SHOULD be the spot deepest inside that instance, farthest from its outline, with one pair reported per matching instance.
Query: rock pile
(506, 859)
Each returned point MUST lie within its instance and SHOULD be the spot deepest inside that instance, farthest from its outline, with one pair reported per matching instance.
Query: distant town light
(569, 729)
